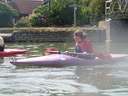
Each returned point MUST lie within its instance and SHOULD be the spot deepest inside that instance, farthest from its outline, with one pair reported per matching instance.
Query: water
(96, 80)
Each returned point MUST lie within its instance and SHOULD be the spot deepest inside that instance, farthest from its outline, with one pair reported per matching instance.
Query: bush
(57, 14)
(23, 22)
(60, 12)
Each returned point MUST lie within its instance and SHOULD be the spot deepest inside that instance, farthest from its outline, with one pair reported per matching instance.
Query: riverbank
(118, 33)
(43, 34)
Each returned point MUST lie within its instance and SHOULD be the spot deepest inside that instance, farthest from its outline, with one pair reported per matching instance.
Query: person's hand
(66, 52)
(85, 53)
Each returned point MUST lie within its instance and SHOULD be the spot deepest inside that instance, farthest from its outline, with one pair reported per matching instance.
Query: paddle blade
(104, 56)
(51, 50)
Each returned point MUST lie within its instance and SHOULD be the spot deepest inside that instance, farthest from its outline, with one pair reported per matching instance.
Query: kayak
(62, 60)
(12, 52)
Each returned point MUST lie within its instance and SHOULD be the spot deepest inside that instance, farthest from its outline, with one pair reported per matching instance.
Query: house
(25, 7)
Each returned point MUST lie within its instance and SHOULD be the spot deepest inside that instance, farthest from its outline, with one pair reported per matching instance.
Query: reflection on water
(90, 80)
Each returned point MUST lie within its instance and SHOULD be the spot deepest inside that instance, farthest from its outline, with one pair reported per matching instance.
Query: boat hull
(11, 52)
(60, 60)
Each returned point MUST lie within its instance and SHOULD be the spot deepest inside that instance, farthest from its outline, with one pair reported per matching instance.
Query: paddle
(103, 56)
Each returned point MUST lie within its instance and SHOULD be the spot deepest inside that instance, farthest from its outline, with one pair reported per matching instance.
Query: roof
(26, 6)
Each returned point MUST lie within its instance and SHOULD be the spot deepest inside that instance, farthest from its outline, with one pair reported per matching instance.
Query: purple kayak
(61, 60)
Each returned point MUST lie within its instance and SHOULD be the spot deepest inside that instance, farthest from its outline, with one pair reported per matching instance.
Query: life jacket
(84, 46)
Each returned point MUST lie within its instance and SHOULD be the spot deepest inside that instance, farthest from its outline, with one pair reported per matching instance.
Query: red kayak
(12, 52)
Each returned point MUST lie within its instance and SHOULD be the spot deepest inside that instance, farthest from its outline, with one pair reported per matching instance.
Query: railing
(116, 8)
(123, 5)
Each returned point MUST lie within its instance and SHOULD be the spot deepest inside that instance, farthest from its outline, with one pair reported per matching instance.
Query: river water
(96, 80)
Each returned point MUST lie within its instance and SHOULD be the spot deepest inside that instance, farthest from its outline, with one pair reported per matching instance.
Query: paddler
(83, 48)
(83, 44)
(2, 45)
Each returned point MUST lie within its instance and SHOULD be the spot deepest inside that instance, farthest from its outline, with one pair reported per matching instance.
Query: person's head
(79, 36)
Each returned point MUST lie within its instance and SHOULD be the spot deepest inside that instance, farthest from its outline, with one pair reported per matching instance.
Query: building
(24, 7)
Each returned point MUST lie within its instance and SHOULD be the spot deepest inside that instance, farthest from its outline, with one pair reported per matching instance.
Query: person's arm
(1, 41)
(90, 48)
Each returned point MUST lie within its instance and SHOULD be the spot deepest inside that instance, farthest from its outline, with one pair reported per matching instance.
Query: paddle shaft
(79, 55)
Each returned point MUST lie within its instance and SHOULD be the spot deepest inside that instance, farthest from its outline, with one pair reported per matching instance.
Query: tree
(97, 9)
(23, 22)
(60, 12)
(7, 14)
(91, 11)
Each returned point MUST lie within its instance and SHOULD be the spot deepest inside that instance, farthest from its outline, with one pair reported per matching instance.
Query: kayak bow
(12, 52)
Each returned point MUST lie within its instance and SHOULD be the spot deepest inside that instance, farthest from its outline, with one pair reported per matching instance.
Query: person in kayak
(83, 44)
(2, 45)
(83, 48)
